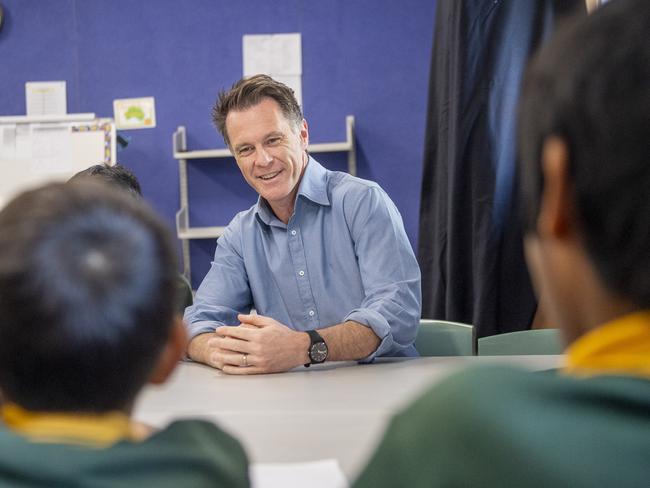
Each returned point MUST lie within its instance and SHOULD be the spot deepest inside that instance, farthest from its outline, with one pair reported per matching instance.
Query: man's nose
(264, 158)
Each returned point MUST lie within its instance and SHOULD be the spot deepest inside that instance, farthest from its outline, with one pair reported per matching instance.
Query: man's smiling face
(270, 151)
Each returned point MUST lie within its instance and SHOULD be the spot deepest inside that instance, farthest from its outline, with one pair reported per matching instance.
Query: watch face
(318, 352)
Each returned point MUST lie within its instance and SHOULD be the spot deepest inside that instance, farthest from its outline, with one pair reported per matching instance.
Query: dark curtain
(470, 240)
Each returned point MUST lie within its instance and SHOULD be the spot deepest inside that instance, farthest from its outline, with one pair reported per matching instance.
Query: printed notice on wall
(45, 98)
(276, 55)
(134, 113)
(51, 149)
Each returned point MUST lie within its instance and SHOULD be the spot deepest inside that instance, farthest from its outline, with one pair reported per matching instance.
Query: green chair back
(443, 338)
(535, 341)
(184, 297)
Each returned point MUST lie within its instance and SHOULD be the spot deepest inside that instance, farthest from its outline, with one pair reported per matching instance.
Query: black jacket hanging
(470, 241)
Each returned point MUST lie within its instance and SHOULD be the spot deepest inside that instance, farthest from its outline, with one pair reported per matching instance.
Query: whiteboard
(36, 152)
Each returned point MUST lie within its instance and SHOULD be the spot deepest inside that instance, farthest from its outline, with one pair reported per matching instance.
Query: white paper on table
(315, 474)
(46, 98)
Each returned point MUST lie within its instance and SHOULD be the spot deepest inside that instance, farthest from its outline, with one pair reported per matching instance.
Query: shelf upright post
(352, 154)
(179, 143)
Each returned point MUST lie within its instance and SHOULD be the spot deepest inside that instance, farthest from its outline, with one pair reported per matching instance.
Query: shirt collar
(312, 186)
(619, 347)
(90, 430)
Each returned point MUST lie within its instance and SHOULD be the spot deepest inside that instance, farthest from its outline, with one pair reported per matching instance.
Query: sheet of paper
(257, 54)
(23, 141)
(134, 113)
(7, 142)
(46, 98)
(50, 149)
(276, 55)
(286, 54)
(294, 82)
(272, 54)
(88, 146)
(316, 474)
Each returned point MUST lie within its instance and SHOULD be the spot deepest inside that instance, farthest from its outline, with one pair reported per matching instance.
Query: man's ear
(304, 133)
(556, 214)
(172, 352)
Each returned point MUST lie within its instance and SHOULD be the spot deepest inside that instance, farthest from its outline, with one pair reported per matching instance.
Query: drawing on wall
(134, 113)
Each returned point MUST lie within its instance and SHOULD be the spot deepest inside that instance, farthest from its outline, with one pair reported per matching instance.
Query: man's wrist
(197, 348)
(303, 348)
(317, 351)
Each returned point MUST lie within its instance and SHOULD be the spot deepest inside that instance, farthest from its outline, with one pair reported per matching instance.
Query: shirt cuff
(379, 326)
(201, 327)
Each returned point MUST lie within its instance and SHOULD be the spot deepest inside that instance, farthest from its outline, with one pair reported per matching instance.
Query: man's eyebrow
(275, 133)
(240, 145)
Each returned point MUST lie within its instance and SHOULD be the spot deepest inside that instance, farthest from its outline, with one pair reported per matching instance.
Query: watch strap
(314, 338)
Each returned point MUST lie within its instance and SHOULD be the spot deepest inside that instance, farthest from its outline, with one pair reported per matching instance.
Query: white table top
(333, 410)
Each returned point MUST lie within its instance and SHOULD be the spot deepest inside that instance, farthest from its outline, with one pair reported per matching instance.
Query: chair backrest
(184, 297)
(523, 342)
(443, 338)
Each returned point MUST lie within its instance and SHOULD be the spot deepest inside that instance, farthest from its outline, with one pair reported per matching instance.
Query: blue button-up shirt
(344, 255)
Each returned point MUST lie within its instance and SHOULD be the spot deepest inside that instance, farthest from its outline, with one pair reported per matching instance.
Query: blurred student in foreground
(87, 280)
(585, 173)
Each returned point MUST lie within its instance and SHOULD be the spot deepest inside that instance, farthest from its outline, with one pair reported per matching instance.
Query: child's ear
(172, 352)
(556, 215)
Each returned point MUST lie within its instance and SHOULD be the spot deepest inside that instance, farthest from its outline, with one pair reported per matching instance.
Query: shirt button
(311, 313)
(293, 232)
(301, 273)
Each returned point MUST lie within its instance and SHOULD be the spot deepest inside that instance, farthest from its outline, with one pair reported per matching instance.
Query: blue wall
(369, 58)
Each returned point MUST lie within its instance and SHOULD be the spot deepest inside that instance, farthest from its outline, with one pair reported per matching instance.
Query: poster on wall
(45, 98)
(134, 113)
(276, 55)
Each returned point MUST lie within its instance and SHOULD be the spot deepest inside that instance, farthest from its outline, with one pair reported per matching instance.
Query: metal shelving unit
(184, 230)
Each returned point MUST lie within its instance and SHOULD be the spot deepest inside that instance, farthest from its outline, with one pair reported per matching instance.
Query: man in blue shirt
(322, 256)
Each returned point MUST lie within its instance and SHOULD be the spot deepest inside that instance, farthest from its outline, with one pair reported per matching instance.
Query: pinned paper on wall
(276, 55)
(34, 153)
(7, 142)
(134, 113)
(45, 98)
(51, 149)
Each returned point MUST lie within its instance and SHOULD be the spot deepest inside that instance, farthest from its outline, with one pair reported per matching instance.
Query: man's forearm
(349, 341)
(197, 349)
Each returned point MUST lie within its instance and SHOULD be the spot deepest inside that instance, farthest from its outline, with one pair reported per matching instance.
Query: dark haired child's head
(116, 175)
(87, 287)
(584, 144)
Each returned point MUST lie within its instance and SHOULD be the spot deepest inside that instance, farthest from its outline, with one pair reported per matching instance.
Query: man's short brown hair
(247, 93)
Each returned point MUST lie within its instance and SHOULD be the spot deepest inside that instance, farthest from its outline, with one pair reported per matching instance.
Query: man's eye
(244, 151)
(273, 141)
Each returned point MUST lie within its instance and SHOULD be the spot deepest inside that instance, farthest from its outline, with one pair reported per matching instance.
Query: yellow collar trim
(90, 430)
(619, 347)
